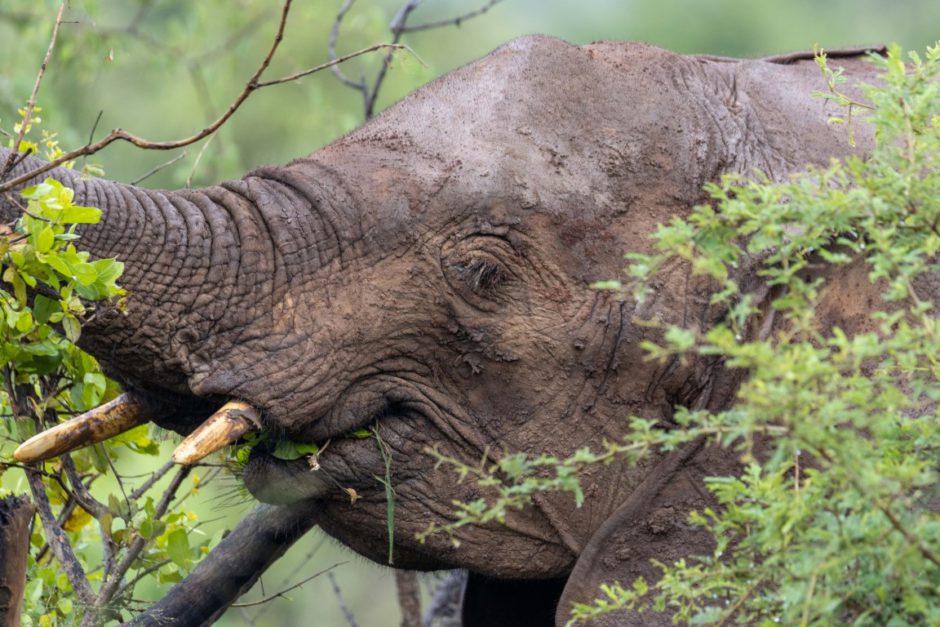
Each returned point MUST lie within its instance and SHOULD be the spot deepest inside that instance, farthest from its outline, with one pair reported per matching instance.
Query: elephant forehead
(553, 124)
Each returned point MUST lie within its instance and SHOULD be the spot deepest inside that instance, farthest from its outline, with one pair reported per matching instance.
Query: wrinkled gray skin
(431, 270)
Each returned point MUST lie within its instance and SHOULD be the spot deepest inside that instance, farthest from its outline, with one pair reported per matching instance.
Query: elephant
(430, 274)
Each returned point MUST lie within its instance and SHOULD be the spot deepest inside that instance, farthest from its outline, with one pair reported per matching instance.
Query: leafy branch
(253, 84)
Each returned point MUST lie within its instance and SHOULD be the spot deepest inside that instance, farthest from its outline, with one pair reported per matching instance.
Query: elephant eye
(479, 268)
(480, 274)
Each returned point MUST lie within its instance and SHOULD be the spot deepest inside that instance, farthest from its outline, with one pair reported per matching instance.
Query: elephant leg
(489, 602)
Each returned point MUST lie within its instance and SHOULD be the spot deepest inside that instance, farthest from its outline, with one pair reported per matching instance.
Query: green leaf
(45, 239)
(80, 215)
(25, 322)
(72, 328)
(84, 273)
(177, 547)
(43, 308)
(288, 450)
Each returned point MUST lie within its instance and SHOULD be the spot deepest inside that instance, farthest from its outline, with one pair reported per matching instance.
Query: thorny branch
(398, 27)
(252, 85)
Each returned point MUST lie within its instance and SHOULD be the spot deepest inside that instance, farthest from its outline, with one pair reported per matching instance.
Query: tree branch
(329, 64)
(109, 587)
(232, 567)
(80, 493)
(16, 514)
(250, 87)
(146, 175)
(58, 542)
(359, 85)
(409, 597)
(453, 21)
(397, 25)
(24, 123)
(154, 477)
(347, 613)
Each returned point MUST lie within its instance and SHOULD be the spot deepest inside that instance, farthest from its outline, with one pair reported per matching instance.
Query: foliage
(830, 521)
(48, 289)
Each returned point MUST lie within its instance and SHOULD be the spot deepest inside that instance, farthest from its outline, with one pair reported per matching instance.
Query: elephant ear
(650, 525)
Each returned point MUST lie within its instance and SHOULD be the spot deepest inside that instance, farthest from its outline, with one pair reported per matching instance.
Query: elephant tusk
(113, 418)
(224, 427)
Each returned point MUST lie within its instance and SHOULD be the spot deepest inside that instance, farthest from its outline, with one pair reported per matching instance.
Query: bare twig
(24, 124)
(146, 175)
(94, 127)
(58, 542)
(347, 614)
(82, 496)
(329, 64)
(359, 85)
(250, 87)
(18, 157)
(197, 160)
(397, 25)
(91, 134)
(140, 575)
(154, 477)
(453, 21)
(276, 595)
(306, 560)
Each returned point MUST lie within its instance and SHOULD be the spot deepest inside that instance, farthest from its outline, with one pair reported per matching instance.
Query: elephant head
(429, 275)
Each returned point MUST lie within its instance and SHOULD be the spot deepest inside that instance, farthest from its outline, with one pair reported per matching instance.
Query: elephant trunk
(176, 248)
(199, 264)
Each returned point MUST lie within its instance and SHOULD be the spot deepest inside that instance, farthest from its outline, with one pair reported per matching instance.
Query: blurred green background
(164, 68)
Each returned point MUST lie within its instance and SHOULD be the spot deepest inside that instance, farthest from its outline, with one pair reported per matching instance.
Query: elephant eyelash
(481, 275)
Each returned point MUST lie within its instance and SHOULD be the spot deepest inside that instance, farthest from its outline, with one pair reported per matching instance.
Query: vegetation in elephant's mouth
(285, 449)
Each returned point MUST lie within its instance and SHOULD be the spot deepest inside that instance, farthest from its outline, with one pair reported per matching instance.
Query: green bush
(830, 522)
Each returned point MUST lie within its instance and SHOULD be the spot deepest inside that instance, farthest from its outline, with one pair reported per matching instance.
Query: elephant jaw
(280, 482)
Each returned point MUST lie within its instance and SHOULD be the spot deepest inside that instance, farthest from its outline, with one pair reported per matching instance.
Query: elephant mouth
(283, 482)
(271, 478)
